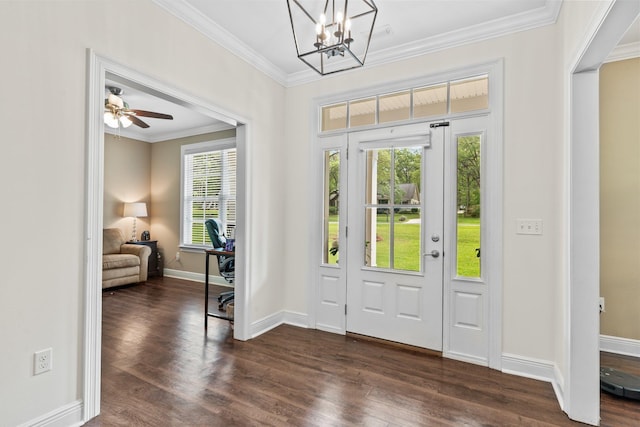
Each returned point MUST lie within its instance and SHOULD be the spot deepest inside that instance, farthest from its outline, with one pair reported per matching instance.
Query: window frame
(191, 149)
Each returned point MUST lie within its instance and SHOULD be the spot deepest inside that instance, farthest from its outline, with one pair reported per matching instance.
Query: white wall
(44, 69)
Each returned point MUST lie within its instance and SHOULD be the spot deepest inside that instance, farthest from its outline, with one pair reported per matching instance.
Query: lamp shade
(138, 209)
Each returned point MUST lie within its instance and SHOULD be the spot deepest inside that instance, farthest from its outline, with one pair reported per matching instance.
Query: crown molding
(544, 15)
(169, 135)
(193, 17)
(624, 51)
(540, 17)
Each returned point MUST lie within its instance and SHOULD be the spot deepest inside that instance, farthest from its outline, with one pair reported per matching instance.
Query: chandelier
(332, 35)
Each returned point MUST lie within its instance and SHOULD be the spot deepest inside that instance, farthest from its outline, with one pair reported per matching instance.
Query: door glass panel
(430, 101)
(394, 107)
(331, 221)
(377, 243)
(469, 94)
(334, 117)
(378, 180)
(468, 199)
(406, 239)
(392, 208)
(362, 112)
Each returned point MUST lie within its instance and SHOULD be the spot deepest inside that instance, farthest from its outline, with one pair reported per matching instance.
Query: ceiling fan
(117, 112)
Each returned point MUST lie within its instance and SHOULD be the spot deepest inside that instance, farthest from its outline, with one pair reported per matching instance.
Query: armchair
(122, 263)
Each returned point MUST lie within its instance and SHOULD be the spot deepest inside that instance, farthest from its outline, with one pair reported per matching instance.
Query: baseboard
(624, 346)
(267, 323)
(66, 416)
(558, 385)
(195, 277)
(542, 370)
(466, 358)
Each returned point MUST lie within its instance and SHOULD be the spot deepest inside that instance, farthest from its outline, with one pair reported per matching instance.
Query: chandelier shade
(332, 35)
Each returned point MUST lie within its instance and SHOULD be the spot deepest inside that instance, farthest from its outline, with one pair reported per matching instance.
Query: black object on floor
(619, 383)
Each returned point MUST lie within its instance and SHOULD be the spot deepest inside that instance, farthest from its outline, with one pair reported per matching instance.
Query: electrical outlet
(601, 304)
(42, 361)
(178, 256)
(529, 226)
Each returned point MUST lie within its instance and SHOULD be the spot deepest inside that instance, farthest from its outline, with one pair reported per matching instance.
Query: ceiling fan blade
(136, 121)
(143, 113)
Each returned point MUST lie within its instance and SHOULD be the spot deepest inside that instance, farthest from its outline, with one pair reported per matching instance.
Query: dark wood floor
(161, 369)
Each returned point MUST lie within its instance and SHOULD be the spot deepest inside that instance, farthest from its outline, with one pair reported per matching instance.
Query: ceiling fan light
(116, 100)
(110, 120)
(125, 121)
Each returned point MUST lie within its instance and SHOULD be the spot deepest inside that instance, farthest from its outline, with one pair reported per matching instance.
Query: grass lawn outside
(407, 244)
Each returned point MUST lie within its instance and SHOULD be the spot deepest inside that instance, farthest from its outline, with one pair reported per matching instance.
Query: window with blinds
(208, 190)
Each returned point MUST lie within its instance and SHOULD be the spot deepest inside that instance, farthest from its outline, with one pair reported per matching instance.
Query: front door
(395, 234)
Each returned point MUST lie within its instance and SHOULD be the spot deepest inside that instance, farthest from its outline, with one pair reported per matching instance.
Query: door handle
(434, 253)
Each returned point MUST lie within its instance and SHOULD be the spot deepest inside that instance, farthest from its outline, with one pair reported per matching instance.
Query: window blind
(209, 191)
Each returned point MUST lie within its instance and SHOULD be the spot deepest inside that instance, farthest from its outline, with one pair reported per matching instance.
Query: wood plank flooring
(160, 368)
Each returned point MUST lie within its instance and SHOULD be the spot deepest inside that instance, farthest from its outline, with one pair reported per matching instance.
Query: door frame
(97, 68)
(581, 398)
(494, 182)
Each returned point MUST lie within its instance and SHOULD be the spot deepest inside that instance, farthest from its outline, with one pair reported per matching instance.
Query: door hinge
(346, 231)
(347, 153)
(437, 125)
(345, 309)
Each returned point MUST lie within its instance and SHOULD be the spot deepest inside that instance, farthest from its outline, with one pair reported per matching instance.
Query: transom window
(457, 96)
(208, 189)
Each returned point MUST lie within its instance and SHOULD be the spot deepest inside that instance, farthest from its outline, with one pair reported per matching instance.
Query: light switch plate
(529, 226)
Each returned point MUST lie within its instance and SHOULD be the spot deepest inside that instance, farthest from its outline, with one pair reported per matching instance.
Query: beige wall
(620, 198)
(43, 167)
(165, 200)
(127, 178)
(137, 171)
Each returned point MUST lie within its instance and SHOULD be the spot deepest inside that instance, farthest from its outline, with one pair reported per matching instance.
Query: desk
(208, 253)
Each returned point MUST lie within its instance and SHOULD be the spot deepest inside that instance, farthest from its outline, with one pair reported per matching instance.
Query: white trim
(187, 13)
(190, 150)
(617, 345)
(274, 320)
(537, 369)
(545, 15)
(294, 318)
(582, 389)
(94, 176)
(97, 68)
(465, 358)
(65, 416)
(218, 127)
(624, 51)
(542, 16)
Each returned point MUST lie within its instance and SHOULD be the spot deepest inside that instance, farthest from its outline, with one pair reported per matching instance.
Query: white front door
(395, 234)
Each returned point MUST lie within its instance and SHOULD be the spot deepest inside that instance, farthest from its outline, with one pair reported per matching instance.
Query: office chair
(226, 263)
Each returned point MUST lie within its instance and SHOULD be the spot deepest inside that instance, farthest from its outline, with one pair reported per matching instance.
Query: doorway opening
(99, 68)
(582, 392)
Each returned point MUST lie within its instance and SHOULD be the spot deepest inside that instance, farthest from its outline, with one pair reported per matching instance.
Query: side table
(155, 260)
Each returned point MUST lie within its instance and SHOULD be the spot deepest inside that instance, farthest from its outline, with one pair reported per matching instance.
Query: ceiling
(259, 31)
(186, 121)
